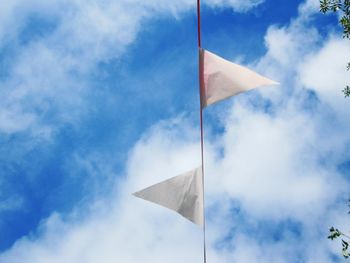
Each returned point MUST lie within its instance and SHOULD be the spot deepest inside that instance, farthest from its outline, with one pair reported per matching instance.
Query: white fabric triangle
(182, 193)
(221, 79)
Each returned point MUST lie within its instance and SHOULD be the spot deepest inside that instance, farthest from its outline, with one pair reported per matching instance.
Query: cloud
(237, 5)
(273, 179)
(325, 73)
(124, 226)
(296, 177)
(53, 56)
(12, 203)
(45, 86)
(244, 192)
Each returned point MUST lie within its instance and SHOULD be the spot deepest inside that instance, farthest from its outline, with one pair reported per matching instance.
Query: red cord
(199, 22)
(201, 118)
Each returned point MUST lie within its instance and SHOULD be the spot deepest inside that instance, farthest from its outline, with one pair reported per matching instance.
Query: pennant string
(201, 120)
(202, 155)
(199, 23)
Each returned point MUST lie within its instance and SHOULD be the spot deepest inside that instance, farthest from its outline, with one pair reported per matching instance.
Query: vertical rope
(199, 23)
(201, 117)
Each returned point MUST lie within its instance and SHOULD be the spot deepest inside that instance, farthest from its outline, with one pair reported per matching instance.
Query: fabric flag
(182, 193)
(221, 79)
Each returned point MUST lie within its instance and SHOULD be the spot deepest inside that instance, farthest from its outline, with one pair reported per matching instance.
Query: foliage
(334, 233)
(342, 6)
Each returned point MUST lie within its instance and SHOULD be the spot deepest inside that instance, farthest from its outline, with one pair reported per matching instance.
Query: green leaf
(346, 91)
(334, 233)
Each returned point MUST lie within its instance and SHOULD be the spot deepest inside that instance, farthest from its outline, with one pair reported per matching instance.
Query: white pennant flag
(221, 79)
(182, 193)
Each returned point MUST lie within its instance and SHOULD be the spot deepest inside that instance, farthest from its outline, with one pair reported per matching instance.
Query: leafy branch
(335, 233)
(342, 6)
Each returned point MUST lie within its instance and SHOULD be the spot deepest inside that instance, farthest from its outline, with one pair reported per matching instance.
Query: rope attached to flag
(199, 23)
(201, 117)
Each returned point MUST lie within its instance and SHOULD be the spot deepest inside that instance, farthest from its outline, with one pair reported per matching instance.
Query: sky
(99, 99)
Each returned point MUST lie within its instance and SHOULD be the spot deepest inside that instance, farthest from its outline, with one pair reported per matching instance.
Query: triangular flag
(182, 193)
(221, 79)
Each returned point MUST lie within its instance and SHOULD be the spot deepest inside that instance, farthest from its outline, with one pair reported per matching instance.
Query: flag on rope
(182, 193)
(221, 79)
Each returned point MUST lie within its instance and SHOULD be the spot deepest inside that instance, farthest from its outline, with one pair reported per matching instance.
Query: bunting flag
(182, 193)
(221, 79)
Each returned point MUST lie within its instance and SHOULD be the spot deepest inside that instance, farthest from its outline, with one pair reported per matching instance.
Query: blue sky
(100, 99)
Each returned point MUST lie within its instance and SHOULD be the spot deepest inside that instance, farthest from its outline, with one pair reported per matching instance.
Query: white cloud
(277, 167)
(308, 8)
(11, 203)
(47, 74)
(269, 169)
(235, 4)
(273, 161)
(325, 73)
